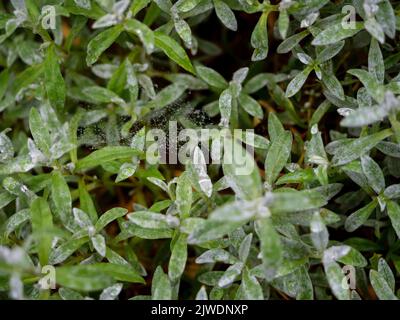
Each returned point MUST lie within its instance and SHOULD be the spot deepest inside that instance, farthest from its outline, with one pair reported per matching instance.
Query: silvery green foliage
(318, 208)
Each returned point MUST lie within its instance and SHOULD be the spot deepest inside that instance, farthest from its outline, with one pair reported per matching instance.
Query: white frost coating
(120, 7)
(105, 21)
(111, 293)
(34, 153)
(334, 253)
(81, 218)
(85, 4)
(199, 164)
(16, 287)
(314, 129)
(104, 71)
(344, 112)
(240, 75)
(6, 147)
(172, 221)
(309, 20)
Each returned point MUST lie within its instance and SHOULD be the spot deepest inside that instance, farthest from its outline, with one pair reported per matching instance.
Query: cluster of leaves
(78, 193)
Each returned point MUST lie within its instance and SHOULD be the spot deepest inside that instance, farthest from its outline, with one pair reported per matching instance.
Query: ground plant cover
(199, 149)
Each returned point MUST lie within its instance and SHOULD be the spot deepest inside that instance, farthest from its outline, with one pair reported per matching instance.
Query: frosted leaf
(334, 253)
(6, 147)
(12, 256)
(314, 129)
(34, 153)
(104, 71)
(105, 21)
(111, 293)
(200, 167)
(292, 167)
(81, 218)
(202, 294)
(138, 140)
(126, 170)
(309, 20)
(172, 221)
(16, 287)
(319, 233)
(99, 243)
(304, 58)
(215, 255)
(285, 4)
(120, 6)
(159, 183)
(382, 203)
(240, 75)
(19, 5)
(370, 7)
(230, 275)
(85, 4)
(344, 111)
(60, 142)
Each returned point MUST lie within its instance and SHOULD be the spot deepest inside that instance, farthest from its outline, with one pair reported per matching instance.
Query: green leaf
(373, 87)
(101, 43)
(173, 50)
(54, 81)
(160, 287)
(86, 202)
(66, 249)
(139, 5)
(4, 82)
(386, 18)
(270, 246)
(99, 244)
(386, 272)
(393, 210)
(241, 170)
(356, 148)
(294, 201)
(259, 38)
(283, 23)
(184, 195)
(381, 287)
(211, 77)
(108, 217)
(251, 106)
(211, 229)
(225, 14)
(375, 29)
(177, 261)
(251, 288)
(82, 278)
(144, 33)
(148, 219)
(336, 33)
(335, 276)
(287, 45)
(374, 174)
(104, 155)
(42, 223)
(376, 65)
(358, 218)
(39, 131)
(278, 155)
(297, 82)
(392, 192)
(61, 197)
(102, 95)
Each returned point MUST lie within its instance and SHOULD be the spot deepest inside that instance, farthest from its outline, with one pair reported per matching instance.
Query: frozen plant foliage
(186, 149)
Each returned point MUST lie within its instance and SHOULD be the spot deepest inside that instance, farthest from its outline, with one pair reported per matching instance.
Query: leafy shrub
(317, 217)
